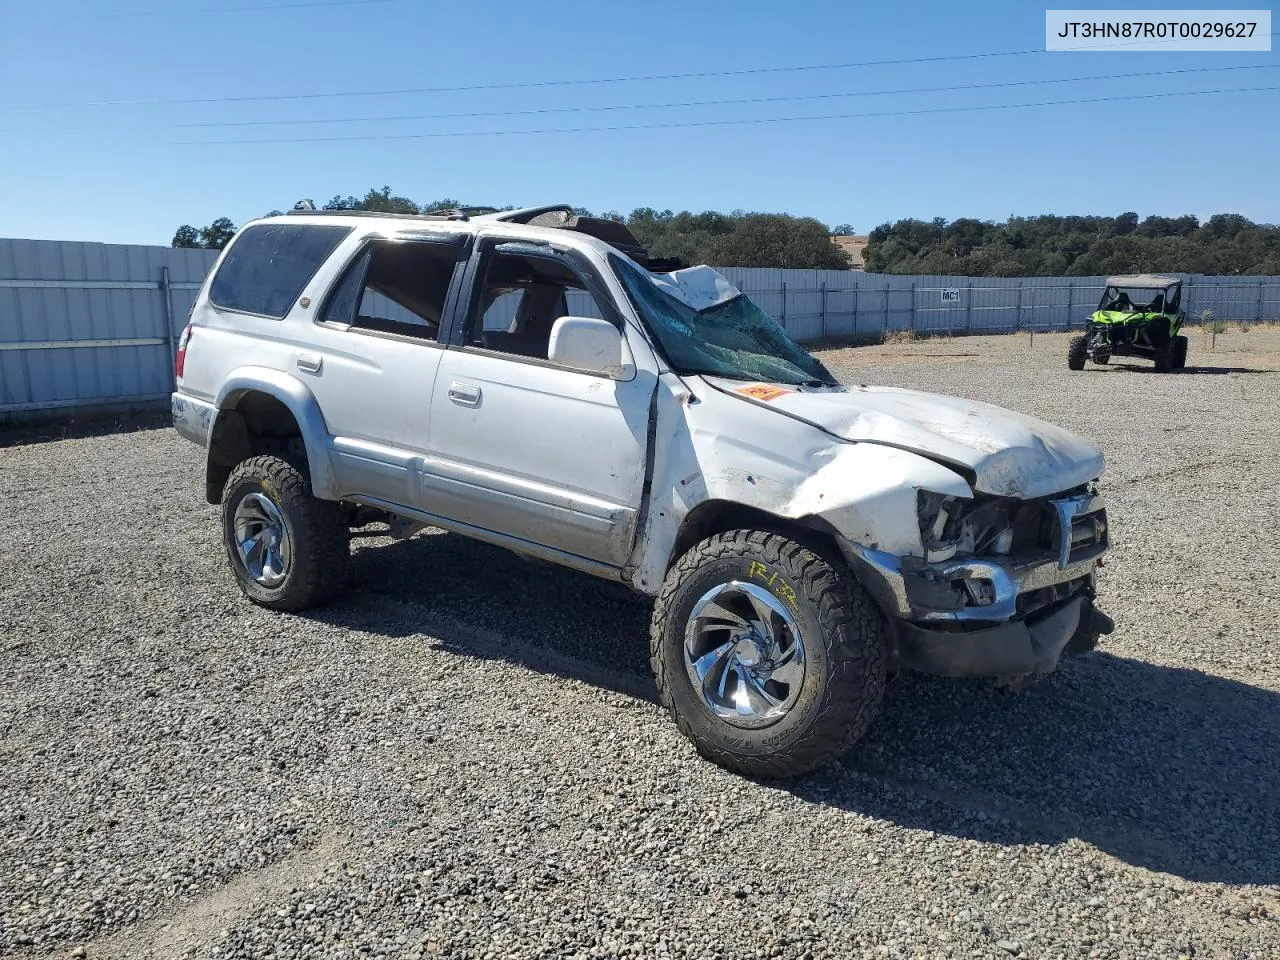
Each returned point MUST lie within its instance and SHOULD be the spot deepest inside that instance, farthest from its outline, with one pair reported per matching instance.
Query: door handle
(467, 394)
(310, 362)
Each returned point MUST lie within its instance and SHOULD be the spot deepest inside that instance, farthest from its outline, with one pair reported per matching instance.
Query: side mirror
(590, 346)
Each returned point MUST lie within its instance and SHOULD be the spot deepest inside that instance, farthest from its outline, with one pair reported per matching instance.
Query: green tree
(213, 237)
(217, 234)
(186, 236)
(1075, 246)
(777, 240)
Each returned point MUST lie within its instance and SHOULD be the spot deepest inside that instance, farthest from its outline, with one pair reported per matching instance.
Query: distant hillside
(1226, 243)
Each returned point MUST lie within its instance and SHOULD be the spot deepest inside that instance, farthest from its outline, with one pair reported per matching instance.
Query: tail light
(181, 360)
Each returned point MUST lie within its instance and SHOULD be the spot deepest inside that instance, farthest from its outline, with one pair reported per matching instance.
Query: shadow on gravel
(474, 598)
(1134, 368)
(1165, 768)
(22, 434)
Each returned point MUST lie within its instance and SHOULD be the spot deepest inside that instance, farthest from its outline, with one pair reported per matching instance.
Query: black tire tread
(322, 544)
(1077, 353)
(851, 632)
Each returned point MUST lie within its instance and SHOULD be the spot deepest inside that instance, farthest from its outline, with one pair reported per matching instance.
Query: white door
(533, 451)
(527, 448)
(373, 362)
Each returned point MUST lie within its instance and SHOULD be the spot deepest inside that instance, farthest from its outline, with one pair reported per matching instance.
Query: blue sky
(121, 172)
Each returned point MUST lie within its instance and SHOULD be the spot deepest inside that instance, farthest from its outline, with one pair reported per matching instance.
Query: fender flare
(301, 402)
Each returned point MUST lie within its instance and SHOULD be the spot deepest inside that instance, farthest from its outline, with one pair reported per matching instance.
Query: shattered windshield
(728, 337)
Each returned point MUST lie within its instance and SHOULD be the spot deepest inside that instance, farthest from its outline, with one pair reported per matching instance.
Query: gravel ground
(464, 758)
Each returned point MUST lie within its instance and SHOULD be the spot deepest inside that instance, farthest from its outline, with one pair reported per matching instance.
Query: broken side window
(395, 287)
(519, 301)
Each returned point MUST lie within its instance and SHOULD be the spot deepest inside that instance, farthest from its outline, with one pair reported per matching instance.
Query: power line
(203, 124)
(535, 84)
(722, 123)
(242, 9)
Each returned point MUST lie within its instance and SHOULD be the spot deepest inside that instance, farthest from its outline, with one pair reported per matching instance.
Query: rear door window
(396, 286)
(268, 266)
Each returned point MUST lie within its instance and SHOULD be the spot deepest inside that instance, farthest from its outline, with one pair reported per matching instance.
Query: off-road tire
(844, 648)
(1179, 353)
(1163, 355)
(318, 530)
(1077, 353)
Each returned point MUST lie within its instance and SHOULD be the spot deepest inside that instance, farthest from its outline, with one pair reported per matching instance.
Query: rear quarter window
(268, 266)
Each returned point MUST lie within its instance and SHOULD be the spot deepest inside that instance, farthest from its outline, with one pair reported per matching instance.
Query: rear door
(375, 359)
(525, 447)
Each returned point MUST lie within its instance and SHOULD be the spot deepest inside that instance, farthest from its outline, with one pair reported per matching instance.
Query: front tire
(767, 656)
(1077, 353)
(287, 549)
(1179, 353)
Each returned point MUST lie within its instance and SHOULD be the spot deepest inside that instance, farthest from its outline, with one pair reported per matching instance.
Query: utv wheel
(1077, 353)
(768, 657)
(1164, 356)
(1179, 353)
(288, 550)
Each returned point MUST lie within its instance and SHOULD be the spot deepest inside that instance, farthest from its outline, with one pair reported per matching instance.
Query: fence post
(823, 309)
(783, 317)
(1071, 305)
(913, 307)
(855, 308)
(886, 310)
(1257, 312)
(167, 290)
(968, 308)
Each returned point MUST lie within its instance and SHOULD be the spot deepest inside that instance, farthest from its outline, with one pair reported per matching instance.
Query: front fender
(301, 402)
(783, 467)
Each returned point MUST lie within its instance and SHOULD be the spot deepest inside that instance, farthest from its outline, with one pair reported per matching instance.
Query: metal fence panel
(91, 323)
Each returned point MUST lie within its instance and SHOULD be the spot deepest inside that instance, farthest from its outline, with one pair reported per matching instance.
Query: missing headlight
(939, 525)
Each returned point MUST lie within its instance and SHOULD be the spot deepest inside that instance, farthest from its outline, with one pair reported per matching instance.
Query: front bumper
(994, 615)
(1019, 648)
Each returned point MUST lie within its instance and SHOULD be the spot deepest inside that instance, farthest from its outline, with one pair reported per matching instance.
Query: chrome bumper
(193, 418)
(984, 589)
(920, 593)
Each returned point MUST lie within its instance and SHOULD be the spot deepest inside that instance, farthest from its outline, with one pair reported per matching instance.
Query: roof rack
(305, 208)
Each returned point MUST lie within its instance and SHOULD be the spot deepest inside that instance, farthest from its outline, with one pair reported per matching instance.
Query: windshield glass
(730, 338)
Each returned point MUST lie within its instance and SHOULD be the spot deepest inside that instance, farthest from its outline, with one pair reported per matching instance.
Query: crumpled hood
(1010, 454)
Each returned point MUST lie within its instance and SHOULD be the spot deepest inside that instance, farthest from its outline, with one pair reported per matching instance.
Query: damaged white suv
(533, 380)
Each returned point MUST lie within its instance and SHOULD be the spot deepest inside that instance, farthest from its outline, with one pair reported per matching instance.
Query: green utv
(1139, 316)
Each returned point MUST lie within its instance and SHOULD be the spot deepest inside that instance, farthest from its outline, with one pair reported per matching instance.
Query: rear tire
(1179, 353)
(1077, 353)
(287, 549)
(767, 656)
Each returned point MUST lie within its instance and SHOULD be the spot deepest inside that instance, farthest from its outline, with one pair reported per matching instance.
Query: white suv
(532, 380)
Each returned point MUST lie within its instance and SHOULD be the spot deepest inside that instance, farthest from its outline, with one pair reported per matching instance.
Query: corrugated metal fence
(92, 324)
(836, 305)
(89, 324)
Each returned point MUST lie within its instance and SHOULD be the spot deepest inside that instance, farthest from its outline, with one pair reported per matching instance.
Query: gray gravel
(464, 758)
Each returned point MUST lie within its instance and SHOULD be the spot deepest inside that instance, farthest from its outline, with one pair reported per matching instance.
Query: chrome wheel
(263, 544)
(744, 651)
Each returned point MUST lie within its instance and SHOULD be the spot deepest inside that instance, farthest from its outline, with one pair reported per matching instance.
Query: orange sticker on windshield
(762, 391)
